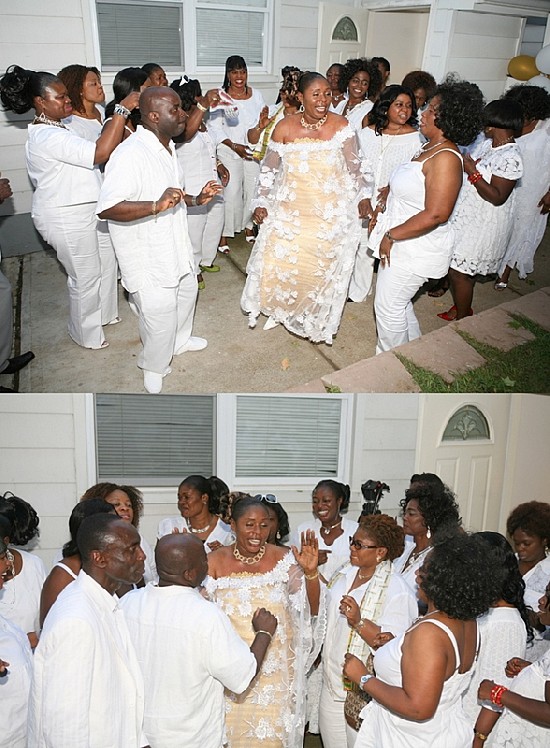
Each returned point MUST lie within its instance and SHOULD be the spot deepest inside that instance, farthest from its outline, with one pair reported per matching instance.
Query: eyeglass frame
(353, 543)
(270, 498)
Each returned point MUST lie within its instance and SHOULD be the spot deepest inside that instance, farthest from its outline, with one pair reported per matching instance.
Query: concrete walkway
(239, 359)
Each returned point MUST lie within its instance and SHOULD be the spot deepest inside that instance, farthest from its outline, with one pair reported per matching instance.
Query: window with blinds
(229, 28)
(155, 440)
(131, 34)
(288, 437)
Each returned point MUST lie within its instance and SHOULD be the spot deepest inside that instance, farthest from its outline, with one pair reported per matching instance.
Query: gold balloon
(522, 67)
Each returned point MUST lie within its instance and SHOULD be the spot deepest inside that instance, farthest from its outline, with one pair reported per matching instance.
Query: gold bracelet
(201, 107)
(359, 625)
(261, 631)
(311, 577)
(480, 735)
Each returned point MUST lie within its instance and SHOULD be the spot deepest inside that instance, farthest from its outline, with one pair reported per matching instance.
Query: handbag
(356, 699)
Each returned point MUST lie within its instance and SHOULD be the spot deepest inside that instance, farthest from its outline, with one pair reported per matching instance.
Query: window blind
(221, 33)
(287, 437)
(154, 439)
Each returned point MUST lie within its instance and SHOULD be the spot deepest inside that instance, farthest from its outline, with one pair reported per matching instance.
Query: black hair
(82, 510)
(534, 101)
(283, 523)
(94, 534)
(338, 65)
(459, 115)
(513, 587)
(506, 114)
(19, 88)
(3, 547)
(436, 504)
(150, 67)
(378, 115)
(339, 490)
(74, 77)
(204, 485)
(240, 502)
(385, 531)
(461, 578)
(127, 81)
(384, 61)
(356, 65)
(102, 490)
(22, 518)
(420, 79)
(234, 62)
(307, 78)
(291, 76)
(430, 478)
(533, 517)
(188, 89)
(219, 490)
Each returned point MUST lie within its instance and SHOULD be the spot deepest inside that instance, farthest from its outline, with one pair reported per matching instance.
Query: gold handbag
(356, 699)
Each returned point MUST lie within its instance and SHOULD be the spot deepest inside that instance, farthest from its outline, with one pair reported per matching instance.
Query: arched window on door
(345, 31)
(467, 424)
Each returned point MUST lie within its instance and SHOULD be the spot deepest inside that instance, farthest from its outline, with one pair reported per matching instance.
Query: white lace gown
(529, 224)
(482, 230)
(512, 731)
(301, 264)
(271, 712)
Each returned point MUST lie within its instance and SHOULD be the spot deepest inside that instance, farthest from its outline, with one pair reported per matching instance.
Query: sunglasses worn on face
(269, 497)
(359, 546)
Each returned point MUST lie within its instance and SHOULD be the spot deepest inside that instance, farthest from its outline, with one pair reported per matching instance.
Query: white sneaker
(152, 381)
(193, 344)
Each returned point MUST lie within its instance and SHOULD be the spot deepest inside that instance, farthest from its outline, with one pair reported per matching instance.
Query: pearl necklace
(315, 126)
(42, 119)
(249, 559)
(328, 530)
(423, 148)
(201, 529)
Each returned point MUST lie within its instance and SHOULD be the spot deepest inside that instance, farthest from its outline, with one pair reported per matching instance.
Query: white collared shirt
(156, 250)
(14, 687)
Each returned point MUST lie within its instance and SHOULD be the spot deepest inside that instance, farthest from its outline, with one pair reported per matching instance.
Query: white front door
(474, 466)
(342, 34)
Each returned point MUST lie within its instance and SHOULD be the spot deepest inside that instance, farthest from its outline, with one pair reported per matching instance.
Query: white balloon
(542, 60)
(539, 80)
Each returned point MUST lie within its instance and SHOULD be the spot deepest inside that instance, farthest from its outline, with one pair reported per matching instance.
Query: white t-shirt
(188, 651)
(20, 596)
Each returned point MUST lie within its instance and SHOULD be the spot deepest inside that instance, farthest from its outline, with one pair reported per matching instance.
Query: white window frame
(226, 449)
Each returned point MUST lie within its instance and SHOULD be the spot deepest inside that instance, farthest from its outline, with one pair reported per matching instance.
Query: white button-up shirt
(156, 250)
(188, 651)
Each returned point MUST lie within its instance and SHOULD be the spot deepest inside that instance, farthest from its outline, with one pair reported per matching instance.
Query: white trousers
(363, 270)
(332, 722)
(396, 321)
(239, 191)
(89, 261)
(165, 321)
(205, 224)
(6, 321)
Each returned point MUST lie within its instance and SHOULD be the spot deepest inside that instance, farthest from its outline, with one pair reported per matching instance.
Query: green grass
(525, 368)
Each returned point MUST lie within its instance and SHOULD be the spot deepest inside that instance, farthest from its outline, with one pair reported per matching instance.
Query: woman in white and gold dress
(312, 189)
(251, 574)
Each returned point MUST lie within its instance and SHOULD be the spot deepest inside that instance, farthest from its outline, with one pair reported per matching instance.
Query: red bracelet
(475, 177)
(496, 694)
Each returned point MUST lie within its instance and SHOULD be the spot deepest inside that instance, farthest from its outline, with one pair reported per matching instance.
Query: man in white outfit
(188, 649)
(87, 687)
(150, 233)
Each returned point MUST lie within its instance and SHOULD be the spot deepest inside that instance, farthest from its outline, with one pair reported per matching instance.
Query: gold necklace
(362, 578)
(201, 529)
(503, 142)
(328, 530)
(316, 126)
(249, 559)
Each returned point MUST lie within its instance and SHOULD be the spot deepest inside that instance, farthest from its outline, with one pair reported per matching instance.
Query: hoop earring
(301, 109)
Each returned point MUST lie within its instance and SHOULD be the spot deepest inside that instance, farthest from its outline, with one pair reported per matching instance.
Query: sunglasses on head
(359, 546)
(269, 497)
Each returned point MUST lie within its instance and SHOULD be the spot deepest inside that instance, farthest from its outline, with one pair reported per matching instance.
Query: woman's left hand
(384, 251)
(210, 190)
(308, 557)
(365, 208)
(223, 174)
(353, 668)
(470, 164)
(350, 609)
(484, 690)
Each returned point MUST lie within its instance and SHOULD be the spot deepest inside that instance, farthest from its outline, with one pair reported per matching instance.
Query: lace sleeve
(357, 165)
(270, 172)
(507, 163)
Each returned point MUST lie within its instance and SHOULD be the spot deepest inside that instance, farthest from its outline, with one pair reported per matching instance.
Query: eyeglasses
(269, 497)
(359, 546)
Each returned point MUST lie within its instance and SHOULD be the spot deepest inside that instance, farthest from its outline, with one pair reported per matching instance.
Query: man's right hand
(5, 190)
(169, 199)
(263, 620)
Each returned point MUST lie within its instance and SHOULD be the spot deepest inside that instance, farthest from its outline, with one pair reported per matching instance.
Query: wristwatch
(120, 109)
(363, 680)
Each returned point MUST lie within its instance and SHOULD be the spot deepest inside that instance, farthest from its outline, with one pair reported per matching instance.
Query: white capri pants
(332, 722)
(84, 248)
(165, 321)
(363, 270)
(396, 321)
(205, 224)
(239, 191)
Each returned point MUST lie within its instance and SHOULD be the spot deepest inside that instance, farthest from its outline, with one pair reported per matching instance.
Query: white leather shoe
(193, 344)
(152, 381)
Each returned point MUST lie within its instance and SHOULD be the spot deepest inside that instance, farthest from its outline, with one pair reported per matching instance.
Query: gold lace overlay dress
(301, 264)
(271, 712)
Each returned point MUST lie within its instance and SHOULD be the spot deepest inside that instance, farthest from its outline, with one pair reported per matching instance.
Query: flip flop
(500, 285)
(450, 314)
(210, 268)
(224, 249)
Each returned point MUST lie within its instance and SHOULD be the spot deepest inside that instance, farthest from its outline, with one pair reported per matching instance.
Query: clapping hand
(308, 557)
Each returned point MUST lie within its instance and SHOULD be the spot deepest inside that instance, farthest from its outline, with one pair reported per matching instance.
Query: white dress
(271, 712)
(512, 731)
(503, 635)
(528, 223)
(382, 728)
(301, 264)
(14, 687)
(221, 533)
(482, 229)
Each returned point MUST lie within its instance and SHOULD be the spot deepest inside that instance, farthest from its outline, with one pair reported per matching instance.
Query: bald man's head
(181, 559)
(161, 112)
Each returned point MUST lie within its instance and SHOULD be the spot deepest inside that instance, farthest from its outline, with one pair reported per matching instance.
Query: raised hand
(308, 556)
